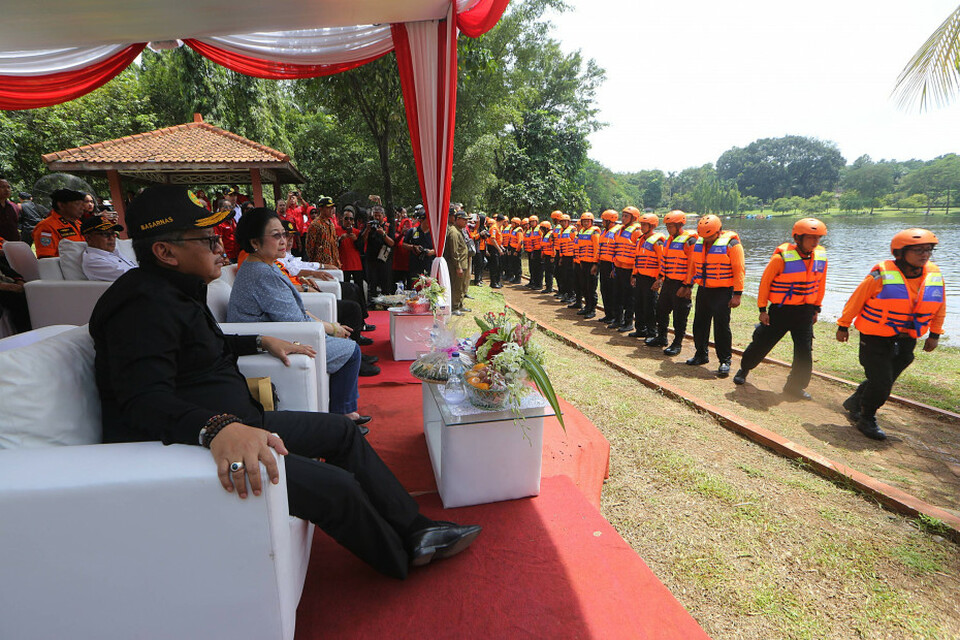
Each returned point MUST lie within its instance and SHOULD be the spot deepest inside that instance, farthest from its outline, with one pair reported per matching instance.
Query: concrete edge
(890, 497)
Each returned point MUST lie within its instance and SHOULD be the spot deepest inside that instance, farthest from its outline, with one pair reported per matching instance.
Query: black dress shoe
(496, 286)
(583, 312)
(673, 350)
(797, 394)
(852, 405)
(369, 359)
(723, 370)
(637, 334)
(547, 291)
(574, 305)
(367, 369)
(740, 377)
(369, 327)
(362, 420)
(604, 319)
(625, 328)
(364, 341)
(589, 314)
(867, 425)
(655, 341)
(442, 540)
(698, 359)
(614, 324)
(363, 430)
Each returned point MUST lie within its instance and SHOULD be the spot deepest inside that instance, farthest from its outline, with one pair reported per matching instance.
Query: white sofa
(132, 540)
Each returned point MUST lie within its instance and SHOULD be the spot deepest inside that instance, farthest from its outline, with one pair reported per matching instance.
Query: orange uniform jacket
(775, 268)
(871, 286)
(588, 245)
(608, 242)
(50, 231)
(735, 259)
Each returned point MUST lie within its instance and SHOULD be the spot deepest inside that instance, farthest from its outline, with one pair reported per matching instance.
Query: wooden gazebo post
(116, 195)
(257, 187)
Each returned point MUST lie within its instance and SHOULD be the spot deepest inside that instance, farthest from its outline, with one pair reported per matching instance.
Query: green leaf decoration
(542, 380)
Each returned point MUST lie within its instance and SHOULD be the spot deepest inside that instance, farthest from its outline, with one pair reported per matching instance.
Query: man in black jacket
(166, 372)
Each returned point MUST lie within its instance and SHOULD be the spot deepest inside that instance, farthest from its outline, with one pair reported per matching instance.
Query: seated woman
(261, 293)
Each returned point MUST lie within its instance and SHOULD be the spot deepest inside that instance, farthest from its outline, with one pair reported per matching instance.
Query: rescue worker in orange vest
(896, 304)
(567, 252)
(646, 277)
(515, 242)
(717, 266)
(548, 249)
(479, 235)
(793, 285)
(63, 223)
(624, 260)
(494, 252)
(677, 250)
(608, 240)
(588, 255)
(534, 253)
(554, 239)
(506, 234)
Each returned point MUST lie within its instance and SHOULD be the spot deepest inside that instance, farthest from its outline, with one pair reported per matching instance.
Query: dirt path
(920, 456)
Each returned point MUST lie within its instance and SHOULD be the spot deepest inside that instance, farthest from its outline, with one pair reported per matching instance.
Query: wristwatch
(260, 347)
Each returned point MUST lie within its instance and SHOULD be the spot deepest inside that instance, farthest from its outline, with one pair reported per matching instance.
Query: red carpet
(546, 567)
(391, 371)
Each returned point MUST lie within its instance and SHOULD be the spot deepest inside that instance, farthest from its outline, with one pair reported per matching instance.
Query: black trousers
(535, 263)
(608, 292)
(587, 282)
(669, 302)
(798, 320)
(478, 267)
(712, 308)
(569, 277)
(352, 496)
(548, 272)
(378, 278)
(357, 279)
(517, 260)
(624, 294)
(494, 259)
(350, 291)
(349, 314)
(645, 304)
(883, 360)
(15, 304)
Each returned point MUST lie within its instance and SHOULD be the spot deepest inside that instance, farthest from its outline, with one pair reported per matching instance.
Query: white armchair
(131, 540)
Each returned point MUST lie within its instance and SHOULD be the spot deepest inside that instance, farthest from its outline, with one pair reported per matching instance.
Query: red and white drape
(426, 59)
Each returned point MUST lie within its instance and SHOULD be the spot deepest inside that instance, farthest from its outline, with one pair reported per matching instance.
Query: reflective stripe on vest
(648, 261)
(528, 241)
(893, 312)
(608, 241)
(625, 247)
(798, 285)
(587, 251)
(548, 243)
(567, 247)
(715, 270)
(675, 259)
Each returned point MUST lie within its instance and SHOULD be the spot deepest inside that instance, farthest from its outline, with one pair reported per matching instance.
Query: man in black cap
(166, 372)
(63, 223)
(101, 259)
(31, 214)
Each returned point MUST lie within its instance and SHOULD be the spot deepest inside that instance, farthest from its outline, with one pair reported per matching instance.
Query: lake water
(854, 245)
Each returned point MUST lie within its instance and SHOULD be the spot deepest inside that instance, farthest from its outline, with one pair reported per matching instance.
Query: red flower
(497, 348)
(483, 337)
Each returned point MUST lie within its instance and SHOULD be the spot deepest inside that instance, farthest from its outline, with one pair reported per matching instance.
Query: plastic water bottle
(453, 390)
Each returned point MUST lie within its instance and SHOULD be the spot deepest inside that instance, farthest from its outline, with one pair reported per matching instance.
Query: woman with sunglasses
(261, 293)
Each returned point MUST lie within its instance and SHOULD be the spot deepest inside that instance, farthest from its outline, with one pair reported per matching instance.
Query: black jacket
(163, 367)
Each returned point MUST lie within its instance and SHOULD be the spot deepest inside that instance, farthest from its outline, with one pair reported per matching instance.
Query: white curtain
(310, 46)
(45, 61)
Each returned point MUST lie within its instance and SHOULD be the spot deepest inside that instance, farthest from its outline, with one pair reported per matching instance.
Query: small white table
(483, 456)
(409, 333)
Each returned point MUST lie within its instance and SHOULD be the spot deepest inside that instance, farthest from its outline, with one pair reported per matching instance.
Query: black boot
(852, 405)
(658, 340)
(674, 348)
(867, 425)
(626, 327)
(698, 358)
(574, 305)
(740, 377)
(590, 313)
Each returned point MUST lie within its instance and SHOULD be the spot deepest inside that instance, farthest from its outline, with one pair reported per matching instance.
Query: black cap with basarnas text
(166, 208)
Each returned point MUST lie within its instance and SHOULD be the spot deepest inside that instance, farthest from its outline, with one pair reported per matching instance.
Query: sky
(687, 80)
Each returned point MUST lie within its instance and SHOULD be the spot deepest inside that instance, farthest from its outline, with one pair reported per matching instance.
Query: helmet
(565, 217)
(515, 220)
(546, 225)
(534, 219)
(586, 215)
(556, 215)
(610, 215)
(650, 218)
(809, 227)
(491, 222)
(709, 225)
(909, 237)
(632, 211)
(675, 217)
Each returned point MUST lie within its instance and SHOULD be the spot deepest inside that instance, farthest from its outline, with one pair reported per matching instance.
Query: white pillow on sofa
(71, 259)
(48, 395)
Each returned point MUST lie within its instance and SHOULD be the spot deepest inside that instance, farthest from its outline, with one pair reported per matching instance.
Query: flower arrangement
(506, 356)
(431, 291)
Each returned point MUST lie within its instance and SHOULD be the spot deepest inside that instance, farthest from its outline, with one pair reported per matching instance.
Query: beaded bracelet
(214, 426)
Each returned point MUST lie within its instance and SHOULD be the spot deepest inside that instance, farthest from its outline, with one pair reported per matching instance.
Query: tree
(933, 74)
(938, 178)
(652, 194)
(870, 180)
(772, 168)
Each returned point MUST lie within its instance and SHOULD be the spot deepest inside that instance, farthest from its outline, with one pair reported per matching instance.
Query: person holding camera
(379, 249)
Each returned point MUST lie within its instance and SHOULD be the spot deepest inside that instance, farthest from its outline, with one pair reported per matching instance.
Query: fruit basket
(416, 305)
(489, 399)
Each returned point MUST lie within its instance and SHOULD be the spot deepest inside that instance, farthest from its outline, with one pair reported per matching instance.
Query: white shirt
(103, 265)
(295, 265)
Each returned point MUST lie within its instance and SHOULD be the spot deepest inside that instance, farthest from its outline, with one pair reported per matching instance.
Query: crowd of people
(646, 277)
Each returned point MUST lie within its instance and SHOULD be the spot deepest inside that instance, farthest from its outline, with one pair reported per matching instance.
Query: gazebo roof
(192, 153)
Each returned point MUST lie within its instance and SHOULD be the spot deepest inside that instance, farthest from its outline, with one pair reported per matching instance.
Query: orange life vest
(648, 255)
(675, 258)
(516, 238)
(625, 246)
(528, 241)
(608, 241)
(588, 244)
(566, 240)
(713, 269)
(893, 311)
(548, 243)
(801, 279)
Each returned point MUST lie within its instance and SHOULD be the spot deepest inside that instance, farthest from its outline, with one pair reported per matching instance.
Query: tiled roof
(192, 143)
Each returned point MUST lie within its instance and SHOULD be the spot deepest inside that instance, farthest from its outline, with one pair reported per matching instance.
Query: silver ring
(297, 343)
(236, 466)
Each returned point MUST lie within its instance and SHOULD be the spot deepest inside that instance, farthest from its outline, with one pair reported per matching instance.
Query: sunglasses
(212, 241)
(278, 236)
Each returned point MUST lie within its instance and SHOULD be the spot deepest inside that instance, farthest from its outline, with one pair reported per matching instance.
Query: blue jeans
(343, 385)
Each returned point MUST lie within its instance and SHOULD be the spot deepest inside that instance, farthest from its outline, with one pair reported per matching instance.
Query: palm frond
(933, 74)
